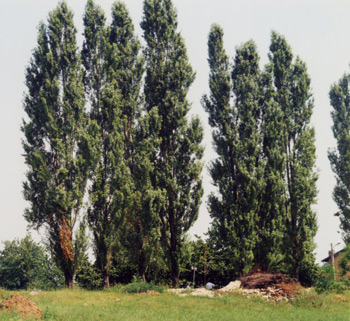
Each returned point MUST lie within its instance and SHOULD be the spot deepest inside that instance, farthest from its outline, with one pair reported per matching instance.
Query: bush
(309, 274)
(138, 286)
(344, 262)
(25, 264)
(325, 281)
(89, 277)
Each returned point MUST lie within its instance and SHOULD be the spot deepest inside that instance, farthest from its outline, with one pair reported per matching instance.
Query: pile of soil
(22, 305)
(276, 286)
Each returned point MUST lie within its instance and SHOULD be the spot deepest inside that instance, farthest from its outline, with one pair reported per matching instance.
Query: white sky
(318, 32)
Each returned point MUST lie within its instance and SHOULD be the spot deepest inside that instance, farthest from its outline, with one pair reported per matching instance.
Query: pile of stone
(276, 286)
(270, 286)
(193, 292)
(232, 286)
(270, 293)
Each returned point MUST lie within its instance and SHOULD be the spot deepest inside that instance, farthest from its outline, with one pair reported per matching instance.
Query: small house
(337, 256)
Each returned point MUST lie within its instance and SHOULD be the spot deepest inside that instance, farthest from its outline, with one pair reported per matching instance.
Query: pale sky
(318, 31)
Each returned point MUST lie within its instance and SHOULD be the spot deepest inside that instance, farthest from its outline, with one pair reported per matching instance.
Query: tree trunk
(142, 264)
(106, 268)
(68, 280)
(106, 283)
(173, 249)
(175, 275)
(175, 271)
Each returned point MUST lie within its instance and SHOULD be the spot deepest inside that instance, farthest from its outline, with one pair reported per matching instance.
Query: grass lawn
(76, 305)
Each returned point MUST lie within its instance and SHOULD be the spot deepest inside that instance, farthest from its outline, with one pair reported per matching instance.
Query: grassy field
(76, 305)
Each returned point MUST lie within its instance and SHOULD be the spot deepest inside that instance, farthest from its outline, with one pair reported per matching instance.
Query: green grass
(76, 305)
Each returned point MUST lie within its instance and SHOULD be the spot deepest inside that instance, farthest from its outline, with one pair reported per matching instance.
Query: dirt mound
(22, 305)
(276, 286)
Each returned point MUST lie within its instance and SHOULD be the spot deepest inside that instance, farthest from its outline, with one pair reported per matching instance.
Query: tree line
(109, 148)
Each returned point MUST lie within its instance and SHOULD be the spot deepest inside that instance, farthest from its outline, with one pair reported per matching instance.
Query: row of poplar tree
(107, 126)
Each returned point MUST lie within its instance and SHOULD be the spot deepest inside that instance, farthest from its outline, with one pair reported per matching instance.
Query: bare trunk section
(68, 280)
(142, 265)
(106, 281)
(106, 268)
(175, 272)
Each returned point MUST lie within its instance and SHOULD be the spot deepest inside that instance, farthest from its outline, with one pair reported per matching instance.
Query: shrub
(25, 264)
(309, 274)
(325, 281)
(138, 286)
(344, 262)
(89, 277)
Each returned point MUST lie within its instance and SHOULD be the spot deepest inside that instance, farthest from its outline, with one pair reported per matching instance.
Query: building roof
(335, 254)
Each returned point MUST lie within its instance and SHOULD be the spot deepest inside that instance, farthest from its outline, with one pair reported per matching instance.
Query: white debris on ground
(232, 286)
(270, 293)
(177, 291)
(210, 286)
(275, 292)
(194, 292)
(33, 293)
(203, 292)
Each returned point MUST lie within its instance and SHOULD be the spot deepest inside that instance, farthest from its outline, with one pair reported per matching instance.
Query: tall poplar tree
(94, 53)
(58, 148)
(105, 212)
(238, 171)
(221, 117)
(293, 95)
(140, 140)
(113, 78)
(269, 254)
(340, 157)
(177, 160)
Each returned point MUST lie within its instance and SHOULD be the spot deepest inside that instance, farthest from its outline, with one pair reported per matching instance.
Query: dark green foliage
(325, 281)
(24, 264)
(309, 274)
(123, 267)
(57, 141)
(138, 286)
(141, 225)
(269, 253)
(344, 262)
(293, 95)
(93, 52)
(89, 276)
(106, 194)
(200, 254)
(238, 172)
(340, 157)
(262, 214)
(113, 79)
(176, 160)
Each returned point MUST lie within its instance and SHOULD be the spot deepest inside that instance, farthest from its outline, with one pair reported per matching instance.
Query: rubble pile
(232, 286)
(270, 293)
(193, 292)
(271, 286)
